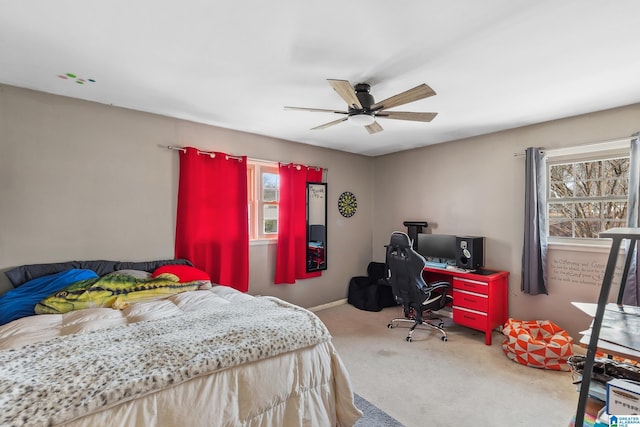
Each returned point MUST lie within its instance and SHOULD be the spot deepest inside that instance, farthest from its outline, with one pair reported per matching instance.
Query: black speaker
(469, 252)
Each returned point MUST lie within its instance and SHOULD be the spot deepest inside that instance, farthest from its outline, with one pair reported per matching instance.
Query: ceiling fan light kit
(362, 110)
(363, 119)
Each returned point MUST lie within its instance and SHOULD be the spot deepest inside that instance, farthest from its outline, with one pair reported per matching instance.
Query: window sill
(581, 247)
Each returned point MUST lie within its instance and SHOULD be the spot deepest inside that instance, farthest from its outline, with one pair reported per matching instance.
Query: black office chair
(409, 288)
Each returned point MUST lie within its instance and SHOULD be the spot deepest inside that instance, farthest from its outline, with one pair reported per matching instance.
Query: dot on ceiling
(79, 80)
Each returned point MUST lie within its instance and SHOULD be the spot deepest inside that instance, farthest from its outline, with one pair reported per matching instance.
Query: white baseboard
(328, 305)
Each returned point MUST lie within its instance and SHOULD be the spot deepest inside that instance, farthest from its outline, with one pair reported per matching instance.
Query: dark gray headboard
(19, 275)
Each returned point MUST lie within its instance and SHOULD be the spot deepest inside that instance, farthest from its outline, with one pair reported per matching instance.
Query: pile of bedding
(42, 290)
(165, 343)
(131, 344)
(77, 300)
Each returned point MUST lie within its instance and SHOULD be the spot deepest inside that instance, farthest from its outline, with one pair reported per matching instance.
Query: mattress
(213, 357)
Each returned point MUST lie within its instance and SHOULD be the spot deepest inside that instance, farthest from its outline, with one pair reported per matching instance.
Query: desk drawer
(471, 318)
(470, 300)
(471, 285)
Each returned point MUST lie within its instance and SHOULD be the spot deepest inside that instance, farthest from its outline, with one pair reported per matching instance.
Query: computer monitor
(442, 246)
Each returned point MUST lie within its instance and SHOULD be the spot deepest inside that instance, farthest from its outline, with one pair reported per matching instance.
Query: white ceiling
(494, 64)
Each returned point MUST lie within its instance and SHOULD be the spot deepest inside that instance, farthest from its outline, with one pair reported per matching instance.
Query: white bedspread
(136, 359)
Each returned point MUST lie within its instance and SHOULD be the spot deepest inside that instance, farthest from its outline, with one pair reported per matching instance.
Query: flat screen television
(437, 247)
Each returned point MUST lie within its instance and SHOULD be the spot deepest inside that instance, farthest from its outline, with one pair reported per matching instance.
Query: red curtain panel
(291, 254)
(212, 225)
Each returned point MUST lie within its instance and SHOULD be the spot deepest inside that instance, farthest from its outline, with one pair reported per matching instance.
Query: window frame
(601, 151)
(255, 191)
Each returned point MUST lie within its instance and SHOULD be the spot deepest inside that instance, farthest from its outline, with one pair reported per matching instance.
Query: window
(587, 194)
(263, 192)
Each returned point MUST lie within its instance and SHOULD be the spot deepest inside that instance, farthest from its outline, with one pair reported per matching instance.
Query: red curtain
(212, 224)
(291, 254)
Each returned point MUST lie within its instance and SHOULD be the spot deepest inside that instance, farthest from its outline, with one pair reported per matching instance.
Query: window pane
(616, 168)
(270, 185)
(588, 210)
(617, 187)
(560, 211)
(270, 219)
(270, 211)
(615, 210)
(561, 181)
(589, 170)
(588, 188)
(561, 189)
(587, 229)
(270, 226)
(560, 229)
(561, 172)
(612, 224)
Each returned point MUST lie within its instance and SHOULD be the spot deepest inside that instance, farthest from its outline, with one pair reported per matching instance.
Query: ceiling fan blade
(321, 110)
(374, 128)
(346, 91)
(407, 115)
(326, 125)
(419, 92)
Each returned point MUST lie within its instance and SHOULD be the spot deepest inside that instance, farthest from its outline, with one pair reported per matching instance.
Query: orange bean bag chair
(537, 343)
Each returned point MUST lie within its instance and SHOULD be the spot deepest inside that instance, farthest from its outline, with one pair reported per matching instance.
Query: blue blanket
(20, 302)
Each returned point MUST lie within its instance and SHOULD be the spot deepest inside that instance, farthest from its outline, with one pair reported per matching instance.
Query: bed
(212, 356)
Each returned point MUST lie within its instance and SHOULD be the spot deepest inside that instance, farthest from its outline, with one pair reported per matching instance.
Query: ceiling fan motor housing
(365, 98)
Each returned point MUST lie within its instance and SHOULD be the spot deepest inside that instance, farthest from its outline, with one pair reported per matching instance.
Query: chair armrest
(441, 284)
(442, 296)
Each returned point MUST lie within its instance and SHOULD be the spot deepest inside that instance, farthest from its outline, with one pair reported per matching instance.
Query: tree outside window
(587, 197)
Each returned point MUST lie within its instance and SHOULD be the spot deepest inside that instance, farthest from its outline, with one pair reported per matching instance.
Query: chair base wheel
(432, 324)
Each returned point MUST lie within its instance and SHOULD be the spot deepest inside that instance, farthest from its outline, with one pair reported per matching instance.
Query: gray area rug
(372, 415)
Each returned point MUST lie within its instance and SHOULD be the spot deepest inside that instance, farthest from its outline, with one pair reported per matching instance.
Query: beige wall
(80, 180)
(475, 187)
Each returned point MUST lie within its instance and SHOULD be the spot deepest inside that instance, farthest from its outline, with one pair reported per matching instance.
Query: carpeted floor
(372, 416)
(435, 383)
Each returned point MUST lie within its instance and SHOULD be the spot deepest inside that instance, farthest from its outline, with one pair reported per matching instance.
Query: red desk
(479, 299)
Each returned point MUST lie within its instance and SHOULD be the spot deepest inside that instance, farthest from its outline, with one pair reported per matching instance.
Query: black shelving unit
(617, 235)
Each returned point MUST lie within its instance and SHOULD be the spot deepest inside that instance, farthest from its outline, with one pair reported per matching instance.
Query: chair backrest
(317, 233)
(405, 266)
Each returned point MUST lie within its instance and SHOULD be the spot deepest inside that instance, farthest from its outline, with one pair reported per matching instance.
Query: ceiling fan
(363, 110)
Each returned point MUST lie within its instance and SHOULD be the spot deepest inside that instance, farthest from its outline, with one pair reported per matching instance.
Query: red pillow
(185, 273)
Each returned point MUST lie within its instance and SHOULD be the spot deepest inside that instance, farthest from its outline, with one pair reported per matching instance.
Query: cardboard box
(623, 397)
